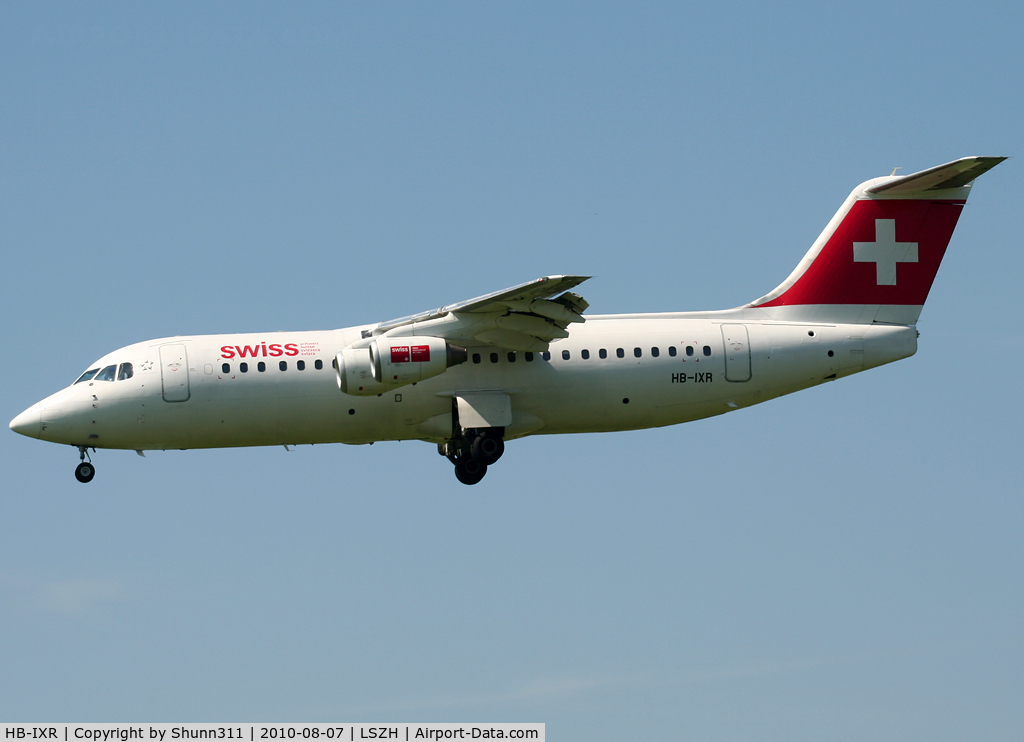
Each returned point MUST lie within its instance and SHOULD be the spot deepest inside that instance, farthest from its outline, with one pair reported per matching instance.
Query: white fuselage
(525, 360)
(215, 404)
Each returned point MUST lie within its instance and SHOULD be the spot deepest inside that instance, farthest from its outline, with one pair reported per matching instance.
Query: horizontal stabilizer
(954, 174)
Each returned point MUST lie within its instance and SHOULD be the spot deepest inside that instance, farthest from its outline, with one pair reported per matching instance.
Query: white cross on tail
(885, 252)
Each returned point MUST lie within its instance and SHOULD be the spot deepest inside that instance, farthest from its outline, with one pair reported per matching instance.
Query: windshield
(87, 375)
(107, 374)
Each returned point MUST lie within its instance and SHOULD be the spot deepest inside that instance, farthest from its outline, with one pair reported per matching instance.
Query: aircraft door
(737, 352)
(174, 372)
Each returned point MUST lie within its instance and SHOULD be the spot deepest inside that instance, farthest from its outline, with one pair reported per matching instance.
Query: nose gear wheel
(85, 471)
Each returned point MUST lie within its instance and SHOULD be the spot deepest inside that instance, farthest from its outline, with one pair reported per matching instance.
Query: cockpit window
(107, 374)
(87, 375)
(125, 372)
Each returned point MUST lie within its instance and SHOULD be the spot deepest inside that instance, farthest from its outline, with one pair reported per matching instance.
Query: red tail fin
(877, 258)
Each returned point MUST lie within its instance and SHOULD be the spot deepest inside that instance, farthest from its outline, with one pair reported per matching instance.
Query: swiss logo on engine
(406, 353)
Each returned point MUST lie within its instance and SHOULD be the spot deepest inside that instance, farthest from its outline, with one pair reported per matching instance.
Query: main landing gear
(473, 451)
(85, 471)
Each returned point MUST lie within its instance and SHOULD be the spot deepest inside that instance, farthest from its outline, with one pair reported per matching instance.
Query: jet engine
(389, 363)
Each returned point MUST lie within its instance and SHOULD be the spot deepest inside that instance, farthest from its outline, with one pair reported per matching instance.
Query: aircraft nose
(27, 423)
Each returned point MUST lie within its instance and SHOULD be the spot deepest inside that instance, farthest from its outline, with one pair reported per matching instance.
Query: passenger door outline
(737, 352)
(174, 372)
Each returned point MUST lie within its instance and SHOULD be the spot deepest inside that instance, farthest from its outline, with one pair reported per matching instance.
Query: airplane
(526, 361)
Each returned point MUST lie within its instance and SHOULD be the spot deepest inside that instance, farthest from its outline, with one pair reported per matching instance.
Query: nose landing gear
(473, 451)
(85, 471)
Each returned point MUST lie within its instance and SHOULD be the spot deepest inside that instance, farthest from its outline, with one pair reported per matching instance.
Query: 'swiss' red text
(262, 350)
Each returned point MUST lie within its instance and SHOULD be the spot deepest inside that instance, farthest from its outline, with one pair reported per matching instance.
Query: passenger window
(476, 358)
(655, 352)
(87, 375)
(261, 367)
(546, 355)
(225, 368)
(107, 374)
(707, 350)
(620, 353)
(529, 356)
(585, 353)
(283, 365)
(334, 363)
(511, 357)
(243, 367)
(565, 355)
(494, 357)
(689, 350)
(125, 372)
(672, 351)
(602, 353)
(301, 365)
(637, 352)
(318, 364)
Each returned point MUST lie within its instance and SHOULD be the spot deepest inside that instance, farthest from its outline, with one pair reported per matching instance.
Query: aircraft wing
(524, 317)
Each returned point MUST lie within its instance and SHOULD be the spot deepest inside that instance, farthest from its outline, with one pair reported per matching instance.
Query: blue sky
(844, 563)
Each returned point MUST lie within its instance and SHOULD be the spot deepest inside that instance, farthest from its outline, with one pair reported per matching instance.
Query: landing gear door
(737, 352)
(174, 372)
(484, 409)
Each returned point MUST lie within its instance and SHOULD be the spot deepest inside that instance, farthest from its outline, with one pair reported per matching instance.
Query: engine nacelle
(389, 363)
(355, 373)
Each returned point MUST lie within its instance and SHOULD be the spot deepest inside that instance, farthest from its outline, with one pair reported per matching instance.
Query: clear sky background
(840, 564)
